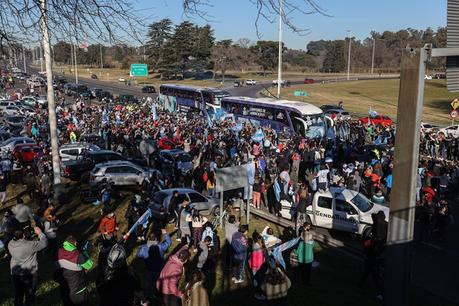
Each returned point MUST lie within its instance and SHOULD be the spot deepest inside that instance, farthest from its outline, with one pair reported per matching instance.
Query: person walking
(240, 245)
(22, 213)
(203, 252)
(24, 265)
(195, 292)
(305, 253)
(73, 264)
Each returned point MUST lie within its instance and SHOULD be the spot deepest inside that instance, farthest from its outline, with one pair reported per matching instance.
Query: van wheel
(366, 233)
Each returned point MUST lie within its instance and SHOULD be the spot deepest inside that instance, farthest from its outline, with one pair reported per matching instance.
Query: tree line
(173, 50)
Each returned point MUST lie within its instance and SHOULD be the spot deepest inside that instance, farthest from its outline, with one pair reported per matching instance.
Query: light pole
(24, 59)
(373, 55)
(279, 64)
(349, 56)
(75, 61)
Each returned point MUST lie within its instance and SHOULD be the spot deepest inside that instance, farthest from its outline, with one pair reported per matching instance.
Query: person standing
(203, 251)
(305, 253)
(22, 213)
(73, 264)
(24, 265)
(195, 292)
(240, 246)
(169, 278)
(231, 227)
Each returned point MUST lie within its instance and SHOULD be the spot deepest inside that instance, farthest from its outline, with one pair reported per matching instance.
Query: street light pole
(101, 57)
(24, 59)
(75, 61)
(41, 57)
(349, 56)
(373, 55)
(279, 64)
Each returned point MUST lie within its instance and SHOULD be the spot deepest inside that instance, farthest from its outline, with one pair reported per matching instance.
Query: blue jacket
(153, 253)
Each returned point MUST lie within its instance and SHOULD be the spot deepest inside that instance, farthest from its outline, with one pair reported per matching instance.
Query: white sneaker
(233, 279)
(238, 281)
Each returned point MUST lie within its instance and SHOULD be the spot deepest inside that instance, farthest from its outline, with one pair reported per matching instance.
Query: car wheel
(366, 233)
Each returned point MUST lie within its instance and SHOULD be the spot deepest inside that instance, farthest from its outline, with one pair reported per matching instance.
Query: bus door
(299, 125)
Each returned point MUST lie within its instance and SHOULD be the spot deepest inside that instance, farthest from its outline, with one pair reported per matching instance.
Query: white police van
(339, 209)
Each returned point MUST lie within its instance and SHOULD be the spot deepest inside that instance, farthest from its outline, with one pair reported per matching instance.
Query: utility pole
(373, 55)
(403, 198)
(41, 56)
(24, 59)
(101, 57)
(349, 56)
(51, 104)
(279, 64)
(75, 62)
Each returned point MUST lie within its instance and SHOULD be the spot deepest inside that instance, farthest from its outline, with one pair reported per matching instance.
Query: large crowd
(353, 155)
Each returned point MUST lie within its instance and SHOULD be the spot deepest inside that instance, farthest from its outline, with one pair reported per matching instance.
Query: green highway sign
(139, 70)
(298, 93)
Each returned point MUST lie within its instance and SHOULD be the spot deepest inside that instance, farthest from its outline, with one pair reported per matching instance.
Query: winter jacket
(24, 255)
(73, 264)
(196, 296)
(170, 275)
(107, 225)
(153, 253)
(240, 245)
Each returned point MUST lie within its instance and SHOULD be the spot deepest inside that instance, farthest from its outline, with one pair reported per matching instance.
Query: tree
(224, 56)
(266, 53)
(183, 46)
(203, 43)
(62, 52)
(159, 34)
(334, 59)
(244, 56)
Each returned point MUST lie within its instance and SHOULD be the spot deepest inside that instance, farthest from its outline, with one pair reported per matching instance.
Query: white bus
(284, 116)
(187, 98)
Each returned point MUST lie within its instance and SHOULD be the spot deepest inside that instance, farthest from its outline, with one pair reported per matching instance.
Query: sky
(234, 19)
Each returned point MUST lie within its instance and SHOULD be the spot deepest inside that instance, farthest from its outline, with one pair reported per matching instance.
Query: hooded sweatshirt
(73, 263)
(24, 255)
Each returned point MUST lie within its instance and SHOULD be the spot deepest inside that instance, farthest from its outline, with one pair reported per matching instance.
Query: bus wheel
(366, 233)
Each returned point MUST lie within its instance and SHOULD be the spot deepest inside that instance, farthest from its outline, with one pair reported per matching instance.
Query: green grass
(380, 95)
(333, 283)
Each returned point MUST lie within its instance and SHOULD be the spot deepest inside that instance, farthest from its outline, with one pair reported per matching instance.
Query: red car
(26, 152)
(377, 120)
(309, 81)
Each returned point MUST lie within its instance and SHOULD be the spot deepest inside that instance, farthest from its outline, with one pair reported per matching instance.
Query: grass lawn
(380, 95)
(333, 283)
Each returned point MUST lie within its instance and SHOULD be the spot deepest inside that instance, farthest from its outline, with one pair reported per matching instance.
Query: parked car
(73, 150)
(104, 95)
(12, 111)
(440, 75)
(70, 88)
(339, 209)
(85, 95)
(328, 107)
(120, 173)
(29, 100)
(26, 152)
(9, 144)
(121, 79)
(174, 160)
(148, 89)
(127, 99)
(79, 168)
(250, 82)
(428, 128)
(15, 122)
(159, 204)
(274, 82)
(450, 131)
(340, 113)
(95, 92)
(309, 81)
(94, 76)
(377, 120)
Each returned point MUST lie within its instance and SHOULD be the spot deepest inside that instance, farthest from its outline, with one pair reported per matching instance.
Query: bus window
(299, 126)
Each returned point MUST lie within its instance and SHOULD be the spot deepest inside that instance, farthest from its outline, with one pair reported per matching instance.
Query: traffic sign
(139, 70)
(454, 114)
(455, 103)
(298, 93)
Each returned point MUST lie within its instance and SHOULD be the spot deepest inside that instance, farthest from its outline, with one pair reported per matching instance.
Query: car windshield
(159, 197)
(362, 202)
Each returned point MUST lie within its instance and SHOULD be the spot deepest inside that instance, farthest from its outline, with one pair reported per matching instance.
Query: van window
(196, 197)
(343, 206)
(324, 202)
(73, 152)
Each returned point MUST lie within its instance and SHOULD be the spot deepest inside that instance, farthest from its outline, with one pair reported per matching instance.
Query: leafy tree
(159, 34)
(203, 43)
(62, 52)
(266, 53)
(224, 56)
(334, 59)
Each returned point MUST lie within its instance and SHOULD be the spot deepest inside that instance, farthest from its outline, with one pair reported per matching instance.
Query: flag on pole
(277, 251)
(142, 221)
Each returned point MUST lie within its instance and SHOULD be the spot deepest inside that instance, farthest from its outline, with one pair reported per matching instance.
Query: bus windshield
(316, 125)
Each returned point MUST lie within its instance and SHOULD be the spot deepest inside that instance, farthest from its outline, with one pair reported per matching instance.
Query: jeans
(239, 269)
(24, 288)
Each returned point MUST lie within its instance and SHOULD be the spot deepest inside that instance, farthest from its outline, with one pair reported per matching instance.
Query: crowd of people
(353, 155)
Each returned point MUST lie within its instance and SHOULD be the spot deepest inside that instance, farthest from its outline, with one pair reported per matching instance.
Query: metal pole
(373, 56)
(41, 56)
(279, 64)
(76, 63)
(349, 56)
(51, 105)
(101, 57)
(24, 59)
(403, 198)
(221, 209)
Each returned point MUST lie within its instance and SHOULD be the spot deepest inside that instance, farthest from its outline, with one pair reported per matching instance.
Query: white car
(275, 82)
(120, 173)
(12, 111)
(251, 82)
(428, 77)
(74, 150)
(450, 131)
(121, 79)
(428, 128)
(339, 209)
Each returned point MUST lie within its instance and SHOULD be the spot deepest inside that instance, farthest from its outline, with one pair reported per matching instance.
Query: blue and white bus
(192, 99)
(284, 116)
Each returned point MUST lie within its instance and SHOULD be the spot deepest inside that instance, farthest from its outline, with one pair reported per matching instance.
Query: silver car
(161, 200)
(120, 173)
(73, 150)
(9, 144)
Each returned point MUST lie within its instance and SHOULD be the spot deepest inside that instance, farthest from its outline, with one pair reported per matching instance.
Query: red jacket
(107, 225)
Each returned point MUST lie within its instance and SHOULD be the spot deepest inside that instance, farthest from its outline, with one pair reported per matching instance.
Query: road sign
(298, 93)
(455, 103)
(139, 70)
(454, 114)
